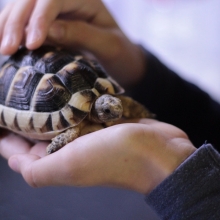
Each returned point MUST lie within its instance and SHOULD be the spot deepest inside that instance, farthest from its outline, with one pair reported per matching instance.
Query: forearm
(192, 191)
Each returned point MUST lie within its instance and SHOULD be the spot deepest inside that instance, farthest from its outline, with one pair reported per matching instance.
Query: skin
(137, 154)
(78, 24)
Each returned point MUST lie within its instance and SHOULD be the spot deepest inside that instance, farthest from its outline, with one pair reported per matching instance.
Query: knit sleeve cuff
(192, 191)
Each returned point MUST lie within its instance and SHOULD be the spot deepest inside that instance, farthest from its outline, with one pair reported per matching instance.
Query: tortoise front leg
(133, 109)
(71, 134)
(62, 139)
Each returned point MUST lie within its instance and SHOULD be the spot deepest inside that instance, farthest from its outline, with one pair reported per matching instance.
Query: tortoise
(52, 93)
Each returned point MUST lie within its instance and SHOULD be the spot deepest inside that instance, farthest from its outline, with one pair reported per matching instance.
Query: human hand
(75, 24)
(136, 156)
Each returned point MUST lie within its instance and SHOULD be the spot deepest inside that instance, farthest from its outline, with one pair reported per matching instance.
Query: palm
(130, 155)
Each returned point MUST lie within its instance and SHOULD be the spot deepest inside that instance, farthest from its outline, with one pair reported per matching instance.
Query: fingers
(77, 34)
(13, 21)
(23, 163)
(134, 156)
(39, 149)
(86, 25)
(87, 161)
(159, 126)
(118, 55)
(12, 144)
(53, 170)
(42, 16)
(3, 15)
(34, 17)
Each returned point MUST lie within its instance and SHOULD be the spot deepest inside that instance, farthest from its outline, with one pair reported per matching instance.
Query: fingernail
(56, 32)
(33, 37)
(8, 41)
(13, 163)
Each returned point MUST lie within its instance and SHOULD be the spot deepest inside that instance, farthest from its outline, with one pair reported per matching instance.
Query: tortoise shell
(48, 90)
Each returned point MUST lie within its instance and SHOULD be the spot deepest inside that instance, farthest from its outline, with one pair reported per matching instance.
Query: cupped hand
(137, 155)
(75, 24)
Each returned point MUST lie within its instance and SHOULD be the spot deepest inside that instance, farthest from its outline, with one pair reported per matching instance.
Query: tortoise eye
(107, 111)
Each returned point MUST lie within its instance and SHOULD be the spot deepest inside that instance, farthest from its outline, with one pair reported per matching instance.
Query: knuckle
(40, 19)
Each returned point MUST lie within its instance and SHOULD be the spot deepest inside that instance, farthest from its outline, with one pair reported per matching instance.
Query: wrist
(166, 162)
(160, 150)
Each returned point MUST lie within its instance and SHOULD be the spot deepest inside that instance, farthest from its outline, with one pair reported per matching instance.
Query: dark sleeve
(192, 191)
(178, 102)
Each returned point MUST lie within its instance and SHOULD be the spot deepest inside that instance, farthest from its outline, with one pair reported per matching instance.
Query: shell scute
(6, 76)
(50, 94)
(24, 57)
(73, 115)
(2, 119)
(62, 123)
(51, 62)
(48, 126)
(76, 77)
(49, 90)
(22, 88)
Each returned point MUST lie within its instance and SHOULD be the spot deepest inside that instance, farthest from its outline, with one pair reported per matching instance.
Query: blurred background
(185, 35)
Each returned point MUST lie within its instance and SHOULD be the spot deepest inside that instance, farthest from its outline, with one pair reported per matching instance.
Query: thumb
(37, 171)
(23, 163)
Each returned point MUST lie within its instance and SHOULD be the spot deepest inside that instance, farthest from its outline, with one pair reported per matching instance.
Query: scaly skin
(62, 139)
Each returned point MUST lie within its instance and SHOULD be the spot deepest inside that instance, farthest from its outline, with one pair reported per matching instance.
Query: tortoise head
(106, 108)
